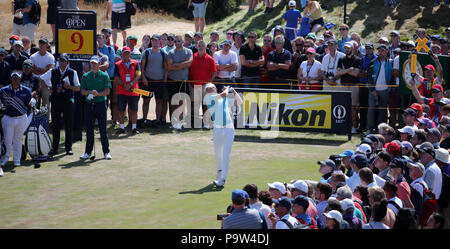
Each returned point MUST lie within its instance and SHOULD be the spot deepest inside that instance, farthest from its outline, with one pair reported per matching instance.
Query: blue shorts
(291, 34)
(199, 9)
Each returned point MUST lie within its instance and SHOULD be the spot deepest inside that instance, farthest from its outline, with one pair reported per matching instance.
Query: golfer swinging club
(219, 106)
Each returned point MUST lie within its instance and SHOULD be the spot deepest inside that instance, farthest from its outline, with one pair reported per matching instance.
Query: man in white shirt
(395, 204)
(226, 63)
(433, 174)
(43, 61)
(254, 202)
(239, 40)
(330, 65)
(283, 207)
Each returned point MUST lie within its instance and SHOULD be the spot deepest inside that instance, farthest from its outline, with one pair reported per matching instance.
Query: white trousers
(223, 141)
(13, 130)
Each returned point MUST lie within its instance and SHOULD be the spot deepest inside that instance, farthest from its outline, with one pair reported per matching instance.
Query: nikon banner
(422, 60)
(293, 110)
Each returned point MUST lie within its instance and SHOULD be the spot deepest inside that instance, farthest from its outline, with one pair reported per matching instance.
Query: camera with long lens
(222, 216)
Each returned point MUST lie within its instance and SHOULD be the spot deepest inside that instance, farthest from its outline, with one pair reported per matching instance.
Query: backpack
(313, 226)
(297, 226)
(35, 12)
(429, 206)
(147, 53)
(131, 8)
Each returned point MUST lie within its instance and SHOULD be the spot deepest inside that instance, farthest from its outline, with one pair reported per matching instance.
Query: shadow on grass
(309, 141)
(208, 188)
(79, 163)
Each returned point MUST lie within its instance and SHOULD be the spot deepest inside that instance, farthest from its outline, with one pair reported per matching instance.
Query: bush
(216, 10)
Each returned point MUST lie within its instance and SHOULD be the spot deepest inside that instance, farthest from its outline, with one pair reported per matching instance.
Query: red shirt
(202, 68)
(264, 74)
(433, 109)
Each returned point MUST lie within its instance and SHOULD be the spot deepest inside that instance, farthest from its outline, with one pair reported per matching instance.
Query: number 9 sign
(75, 41)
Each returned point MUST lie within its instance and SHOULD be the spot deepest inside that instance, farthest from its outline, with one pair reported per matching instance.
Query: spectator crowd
(398, 177)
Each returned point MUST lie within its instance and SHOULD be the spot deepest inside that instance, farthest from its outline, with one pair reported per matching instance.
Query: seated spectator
(367, 177)
(265, 198)
(406, 133)
(445, 136)
(405, 219)
(442, 159)
(416, 171)
(346, 156)
(326, 169)
(433, 174)
(334, 204)
(300, 188)
(348, 208)
(255, 203)
(335, 179)
(377, 194)
(400, 173)
(395, 204)
(333, 219)
(343, 193)
(379, 211)
(433, 136)
(424, 123)
(436, 221)
(282, 209)
(277, 190)
(242, 217)
(322, 194)
(300, 205)
(420, 136)
(409, 117)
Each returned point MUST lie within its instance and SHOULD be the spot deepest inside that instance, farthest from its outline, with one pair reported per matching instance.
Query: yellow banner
(75, 41)
(141, 92)
(287, 110)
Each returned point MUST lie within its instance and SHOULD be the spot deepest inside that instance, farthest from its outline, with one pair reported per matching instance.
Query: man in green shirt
(95, 85)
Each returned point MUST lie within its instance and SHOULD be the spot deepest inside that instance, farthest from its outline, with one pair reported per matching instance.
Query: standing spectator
(255, 203)
(278, 30)
(53, 6)
(292, 17)
(322, 194)
(126, 76)
(344, 30)
(203, 69)
(119, 19)
(394, 91)
(5, 69)
(214, 36)
(109, 51)
(314, 12)
(131, 42)
(309, 73)
(382, 164)
(283, 209)
(95, 85)
(278, 64)
(170, 43)
(107, 32)
(379, 77)
(252, 58)
(179, 61)
(28, 47)
(62, 82)
(348, 208)
(213, 47)
(153, 68)
(43, 61)
(405, 219)
(364, 91)
(266, 49)
(395, 204)
(418, 185)
(226, 64)
(395, 43)
(219, 106)
(327, 167)
(17, 27)
(360, 49)
(433, 174)
(15, 99)
(16, 58)
(379, 211)
(29, 23)
(330, 65)
(163, 41)
(427, 82)
(348, 71)
(188, 38)
(29, 79)
(199, 13)
(146, 43)
(239, 41)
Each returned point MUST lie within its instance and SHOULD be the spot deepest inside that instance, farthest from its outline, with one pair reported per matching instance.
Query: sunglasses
(170, 39)
(251, 37)
(343, 29)
(298, 44)
(278, 42)
(230, 34)
(309, 53)
(267, 40)
(26, 66)
(177, 40)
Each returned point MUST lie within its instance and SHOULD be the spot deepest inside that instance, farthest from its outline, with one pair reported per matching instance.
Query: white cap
(347, 203)
(292, 3)
(364, 148)
(348, 44)
(190, 33)
(334, 214)
(301, 185)
(19, 42)
(417, 165)
(384, 38)
(442, 155)
(407, 129)
(277, 185)
(406, 144)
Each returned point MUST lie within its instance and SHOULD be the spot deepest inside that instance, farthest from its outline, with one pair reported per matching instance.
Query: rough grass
(155, 175)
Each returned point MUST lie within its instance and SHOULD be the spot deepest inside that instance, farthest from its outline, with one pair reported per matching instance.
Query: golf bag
(37, 140)
(2, 142)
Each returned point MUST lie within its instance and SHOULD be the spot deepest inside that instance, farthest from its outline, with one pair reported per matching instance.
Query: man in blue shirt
(292, 16)
(109, 51)
(15, 99)
(364, 91)
(29, 25)
(5, 69)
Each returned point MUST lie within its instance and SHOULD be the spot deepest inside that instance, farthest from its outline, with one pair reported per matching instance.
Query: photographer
(241, 216)
(330, 65)
(223, 134)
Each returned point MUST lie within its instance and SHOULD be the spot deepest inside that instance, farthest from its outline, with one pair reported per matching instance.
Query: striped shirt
(243, 218)
(15, 101)
(118, 5)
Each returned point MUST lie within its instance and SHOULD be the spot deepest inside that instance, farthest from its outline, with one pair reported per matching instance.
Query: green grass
(371, 19)
(154, 177)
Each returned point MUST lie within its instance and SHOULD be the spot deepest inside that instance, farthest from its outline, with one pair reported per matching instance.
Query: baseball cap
(155, 37)
(227, 42)
(397, 162)
(328, 33)
(444, 120)
(95, 59)
(334, 41)
(209, 85)
(425, 147)
(417, 107)
(14, 37)
(437, 88)
(407, 129)
(347, 203)
(347, 153)
(301, 185)
(334, 214)
(43, 39)
(434, 131)
(364, 148)
(412, 164)
(16, 74)
(28, 62)
(383, 38)
(292, 3)
(369, 45)
(430, 67)
(132, 37)
(311, 35)
(190, 34)
(215, 32)
(436, 37)
(410, 111)
(237, 194)
(384, 155)
(373, 138)
(126, 49)
(359, 160)
(64, 57)
(19, 42)
(327, 162)
(199, 34)
(106, 30)
(395, 32)
(3, 51)
(348, 44)
(170, 35)
(442, 155)
(283, 201)
(427, 122)
(383, 47)
(311, 50)
(406, 144)
(279, 28)
(393, 148)
(444, 101)
(302, 201)
(277, 185)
